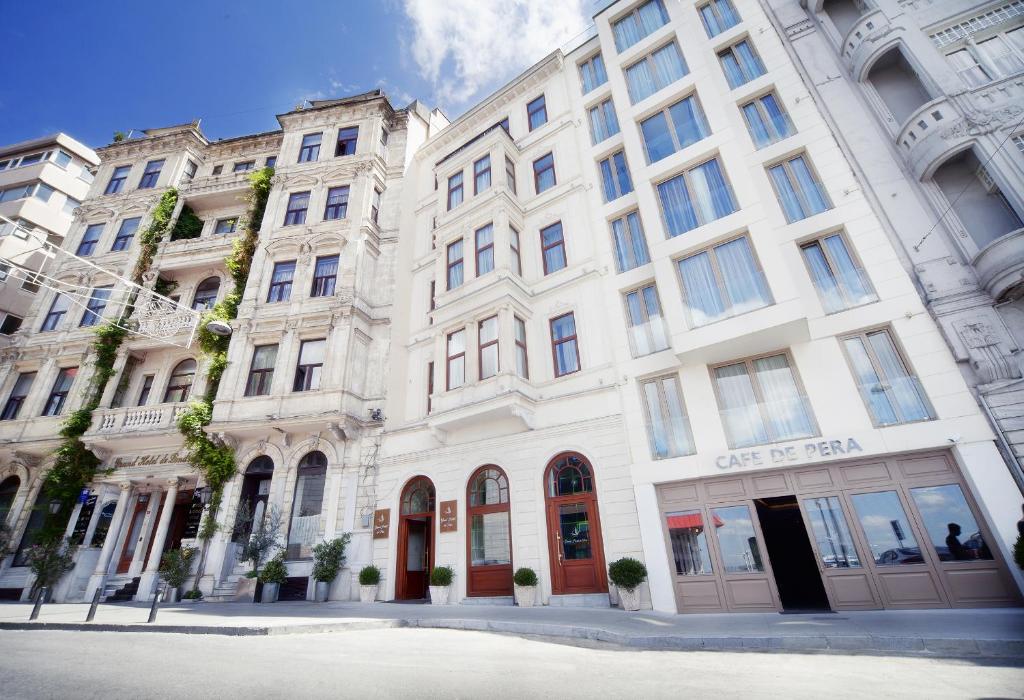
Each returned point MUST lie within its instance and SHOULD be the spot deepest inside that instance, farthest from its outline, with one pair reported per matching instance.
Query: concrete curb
(839, 644)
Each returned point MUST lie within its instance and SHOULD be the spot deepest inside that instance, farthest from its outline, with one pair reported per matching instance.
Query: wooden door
(574, 527)
(131, 538)
(415, 557)
(738, 546)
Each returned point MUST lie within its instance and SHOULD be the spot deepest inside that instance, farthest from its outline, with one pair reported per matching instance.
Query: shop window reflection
(689, 542)
(887, 529)
(736, 540)
(950, 524)
(831, 533)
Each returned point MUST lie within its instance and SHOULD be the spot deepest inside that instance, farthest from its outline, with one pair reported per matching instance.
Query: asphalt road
(453, 664)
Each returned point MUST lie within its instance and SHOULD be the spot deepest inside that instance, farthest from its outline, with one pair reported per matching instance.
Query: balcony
(149, 424)
(862, 41)
(216, 191)
(772, 327)
(928, 134)
(1000, 265)
(504, 403)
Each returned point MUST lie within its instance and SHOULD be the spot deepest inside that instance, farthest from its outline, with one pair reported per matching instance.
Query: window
(484, 249)
(695, 197)
(89, 240)
(261, 370)
(740, 63)
(516, 260)
(310, 149)
(946, 517)
(488, 513)
(190, 169)
(125, 234)
(18, 395)
(62, 159)
(615, 180)
(630, 243)
(217, 170)
(226, 226)
(206, 294)
(563, 345)
(668, 429)
(375, 205)
(95, 306)
(510, 174)
(307, 506)
(325, 276)
(117, 180)
(639, 23)
(383, 144)
(43, 192)
(309, 369)
(1004, 52)
(761, 401)
(244, 166)
(180, 384)
(481, 174)
(891, 391)
(147, 387)
(430, 386)
(59, 393)
(70, 204)
(151, 174)
(10, 325)
(487, 334)
(674, 128)
(454, 190)
(552, 245)
(799, 192)
(592, 73)
(58, 308)
(832, 533)
(968, 68)
(603, 122)
(347, 138)
(722, 282)
(886, 528)
(298, 203)
(717, 16)
(840, 280)
(270, 162)
(522, 359)
(281, 281)
(655, 71)
(766, 120)
(337, 203)
(455, 264)
(537, 113)
(544, 173)
(647, 332)
(456, 359)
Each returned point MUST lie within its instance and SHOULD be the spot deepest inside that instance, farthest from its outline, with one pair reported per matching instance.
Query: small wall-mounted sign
(381, 523)
(449, 516)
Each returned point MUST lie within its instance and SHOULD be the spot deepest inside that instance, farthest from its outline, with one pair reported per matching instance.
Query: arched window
(307, 506)
(490, 539)
(206, 294)
(180, 383)
(418, 496)
(252, 504)
(569, 474)
(8, 491)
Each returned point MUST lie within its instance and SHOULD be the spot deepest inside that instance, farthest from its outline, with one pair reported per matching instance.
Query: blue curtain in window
(758, 129)
(777, 116)
(711, 191)
(787, 195)
(744, 282)
(731, 66)
(812, 191)
(657, 138)
(652, 16)
(903, 386)
(669, 65)
(607, 180)
(870, 383)
(702, 293)
(622, 172)
(832, 299)
(749, 61)
(850, 276)
(641, 81)
(675, 201)
(627, 32)
(689, 121)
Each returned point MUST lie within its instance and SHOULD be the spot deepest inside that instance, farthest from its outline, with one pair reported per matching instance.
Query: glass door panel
(831, 533)
(737, 542)
(574, 528)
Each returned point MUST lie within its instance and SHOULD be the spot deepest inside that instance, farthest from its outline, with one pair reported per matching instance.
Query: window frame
(486, 248)
(93, 313)
(699, 214)
(49, 409)
(145, 389)
(185, 389)
(532, 108)
(801, 196)
(264, 377)
(515, 251)
(645, 321)
(118, 176)
(731, 49)
(537, 173)
(454, 187)
(80, 250)
(483, 346)
(286, 286)
(14, 402)
(310, 153)
(817, 240)
(629, 234)
(666, 413)
(908, 368)
(123, 242)
(521, 347)
(296, 216)
(616, 176)
(304, 372)
(342, 143)
(510, 175)
(151, 174)
(634, 13)
(713, 6)
(666, 113)
(560, 243)
(321, 282)
(652, 68)
(723, 291)
(758, 103)
(608, 120)
(449, 358)
(54, 317)
(591, 61)
(459, 262)
(478, 174)
(574, 339)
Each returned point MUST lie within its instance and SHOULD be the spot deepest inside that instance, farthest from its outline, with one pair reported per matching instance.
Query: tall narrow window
(147, 388)
(717, 16)
(668, 428)
(310, 149)
(89, 240)
(490, 542)
(454, 190)
(891, 391)
(516, 259)
(640, 22)
(544, 173)
(382, 145)
(615, 179)
(270, 162)
(309, 369)
(722, 282)
(593, 73)
(375, 206)
(630, 242)
(510, 174)
(487, 332)
(695, 197)
(347, 137)
(337, 203)
(740, 63)
(455, 264)
(647, 332)
(522, 358)
(117, 179)
(307, 506)
(603, 122)
(766, 120)
(206, 294)
(59, 394)
(261, 370)
(484, 249)
(481, 174)
(655, 71)
(125, 234)
(456, 360)
(674, 128)
(191, 167)
(552, 246)
(151, 174)
(18, 395)
(968, 68)
(430, 386)
(281, 281)
(840, 280)
(325, 276)
(798, 189)
(298, 204)
(537, 113)
(564, 349)
(761, 401)
(179, 386)
(55, 315)
(95, 306)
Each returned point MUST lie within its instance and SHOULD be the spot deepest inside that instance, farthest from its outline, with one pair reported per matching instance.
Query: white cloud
(464, 46)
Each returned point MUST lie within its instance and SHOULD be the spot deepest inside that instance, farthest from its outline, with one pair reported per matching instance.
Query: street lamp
(219, 328)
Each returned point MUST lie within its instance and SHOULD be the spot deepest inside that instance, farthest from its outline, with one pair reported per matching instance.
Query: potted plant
(525, 580)
(258, 542)
(628, 573)
(49, 561)
(175, 566)
(369, 579)
(440, 584)
(273, 575)
(328, 557)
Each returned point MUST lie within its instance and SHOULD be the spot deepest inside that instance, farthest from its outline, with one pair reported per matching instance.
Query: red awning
(688, 520)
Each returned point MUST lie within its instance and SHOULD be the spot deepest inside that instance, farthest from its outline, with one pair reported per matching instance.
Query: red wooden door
(574, 528)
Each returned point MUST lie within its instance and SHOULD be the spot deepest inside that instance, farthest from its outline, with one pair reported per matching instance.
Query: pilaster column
(99, 574)
(147, 585)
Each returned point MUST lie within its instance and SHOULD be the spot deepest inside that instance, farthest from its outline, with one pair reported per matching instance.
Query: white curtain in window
(641, 81)
(746, 286)
(740, 412)
(702, 295)
(785, 407)
(711, 193)
(904, 388)
(870, 383)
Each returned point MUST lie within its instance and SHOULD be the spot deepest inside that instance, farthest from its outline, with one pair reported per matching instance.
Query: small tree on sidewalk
(262, 540)
(49, 561)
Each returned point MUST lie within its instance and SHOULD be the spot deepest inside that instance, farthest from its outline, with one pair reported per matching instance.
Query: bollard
(40, 597)
(156, 604)
(95, 604)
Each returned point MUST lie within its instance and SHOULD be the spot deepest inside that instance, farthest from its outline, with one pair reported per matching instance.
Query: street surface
(449, 664)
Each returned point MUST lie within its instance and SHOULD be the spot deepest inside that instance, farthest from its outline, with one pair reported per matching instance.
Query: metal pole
(40, 597)
(95, 603)
(156, 603)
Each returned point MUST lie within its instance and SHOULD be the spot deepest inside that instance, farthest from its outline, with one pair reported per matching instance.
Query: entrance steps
(488, 600)
(580, 600)
(126, 592)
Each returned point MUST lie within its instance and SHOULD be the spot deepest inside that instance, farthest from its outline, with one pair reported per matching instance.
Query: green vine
(187, 226)
(150, 239)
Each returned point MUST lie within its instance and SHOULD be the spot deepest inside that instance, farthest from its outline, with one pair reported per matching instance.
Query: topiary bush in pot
(525, 580)
(369, 580)
(328, 558)
(628, 573)
(274, 573)
(440, 584)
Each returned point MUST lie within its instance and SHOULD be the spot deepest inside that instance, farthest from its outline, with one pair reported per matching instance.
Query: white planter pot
(526, 596)
(367, 594)
(269, 594)
(630, 600)
(439, 595)
(323, 589)
(171, 595)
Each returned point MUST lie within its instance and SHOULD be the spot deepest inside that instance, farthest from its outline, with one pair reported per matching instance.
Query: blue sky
(92, 67)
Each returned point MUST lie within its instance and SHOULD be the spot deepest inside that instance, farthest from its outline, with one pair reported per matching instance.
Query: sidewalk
(980, 632)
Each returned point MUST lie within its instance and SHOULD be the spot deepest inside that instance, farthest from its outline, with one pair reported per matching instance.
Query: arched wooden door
(489, 545)
(415, 539)
(574, 527)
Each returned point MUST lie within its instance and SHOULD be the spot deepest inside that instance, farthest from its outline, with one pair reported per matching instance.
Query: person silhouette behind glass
(956, 550)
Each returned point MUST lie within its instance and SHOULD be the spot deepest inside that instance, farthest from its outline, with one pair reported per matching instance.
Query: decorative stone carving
(798, 29)
(980, 122)
(988, 354)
